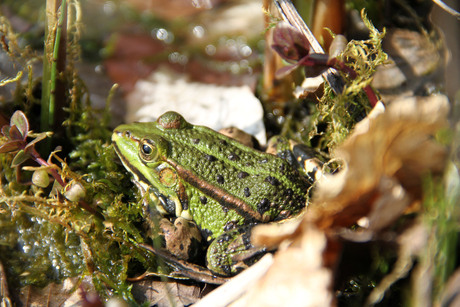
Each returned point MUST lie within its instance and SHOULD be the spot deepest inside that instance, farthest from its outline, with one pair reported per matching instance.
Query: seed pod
(41, 178)
(75, 192)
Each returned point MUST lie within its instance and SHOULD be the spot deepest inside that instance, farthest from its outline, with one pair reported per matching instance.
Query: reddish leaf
(19, 120)
(11, 146)
(315, 64)
(289, 42)
(6, 131)
(15, 134)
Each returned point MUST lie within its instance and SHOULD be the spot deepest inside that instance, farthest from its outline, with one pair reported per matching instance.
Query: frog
(223, 187)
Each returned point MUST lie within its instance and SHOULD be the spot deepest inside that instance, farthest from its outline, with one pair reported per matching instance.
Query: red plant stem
(373, 99)
(35, 155)
(339, 65)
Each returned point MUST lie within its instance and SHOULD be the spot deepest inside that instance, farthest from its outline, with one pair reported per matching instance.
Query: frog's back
(258, 185)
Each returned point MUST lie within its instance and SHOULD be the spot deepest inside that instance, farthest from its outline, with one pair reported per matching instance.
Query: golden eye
(147, 150)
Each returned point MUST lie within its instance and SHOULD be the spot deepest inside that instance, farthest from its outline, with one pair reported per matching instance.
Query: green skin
(220, 184)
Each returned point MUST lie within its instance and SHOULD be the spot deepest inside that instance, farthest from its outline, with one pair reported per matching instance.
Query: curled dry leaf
(384, 165)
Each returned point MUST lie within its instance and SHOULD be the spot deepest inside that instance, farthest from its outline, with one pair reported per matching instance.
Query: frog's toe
(232, 252)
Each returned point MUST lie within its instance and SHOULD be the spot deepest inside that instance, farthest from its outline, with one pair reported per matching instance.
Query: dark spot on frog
(263, 206)
(246, 237)
(181, 247)
(210, 158)
(229, 225)
(220, 179)
(247, 192)
(282, 167)
(203, 200)
(272, 180)
(225, 237)
(226, 269)
(206, 234)
(288, 192)
(223, 142)
(242, 175)
(242, 230)
(195, 141)
(233, 157)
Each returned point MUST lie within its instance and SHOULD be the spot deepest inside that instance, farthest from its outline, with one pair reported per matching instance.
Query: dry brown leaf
(384, 165)
(272, 235)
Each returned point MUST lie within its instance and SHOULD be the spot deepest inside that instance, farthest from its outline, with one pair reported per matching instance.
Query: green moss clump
(339, 113)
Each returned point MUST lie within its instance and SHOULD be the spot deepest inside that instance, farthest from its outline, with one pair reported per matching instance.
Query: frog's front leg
(232, 251)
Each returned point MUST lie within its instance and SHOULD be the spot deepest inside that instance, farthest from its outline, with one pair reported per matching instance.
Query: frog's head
(142, 149)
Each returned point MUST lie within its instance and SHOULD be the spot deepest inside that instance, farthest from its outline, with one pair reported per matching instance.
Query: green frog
(199, 175)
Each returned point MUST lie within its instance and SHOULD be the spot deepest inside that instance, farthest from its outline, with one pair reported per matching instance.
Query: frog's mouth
(139, 177)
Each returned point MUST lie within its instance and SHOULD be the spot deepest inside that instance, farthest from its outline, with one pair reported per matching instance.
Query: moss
(338, 113)
(46, 237)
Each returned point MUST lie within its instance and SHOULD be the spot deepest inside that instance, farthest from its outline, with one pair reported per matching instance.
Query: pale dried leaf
(232, 290)
(271, 235)
(385, 161)
(297, 277)
(162, 294)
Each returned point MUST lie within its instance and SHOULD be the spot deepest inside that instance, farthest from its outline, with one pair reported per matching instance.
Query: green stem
(51, 70)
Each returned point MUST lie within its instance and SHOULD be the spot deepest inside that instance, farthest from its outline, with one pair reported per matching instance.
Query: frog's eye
(147, 150)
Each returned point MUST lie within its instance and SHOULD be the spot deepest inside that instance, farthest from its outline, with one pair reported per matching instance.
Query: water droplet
(178, 58)
(245, 51)
(198, 31)
(244, 64)
(210, 50)
(163, 35)
(26, 248)
(109, 7)
(234, 68)
(99, 69)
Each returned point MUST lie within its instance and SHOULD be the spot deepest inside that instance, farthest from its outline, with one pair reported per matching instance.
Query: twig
(447, 8)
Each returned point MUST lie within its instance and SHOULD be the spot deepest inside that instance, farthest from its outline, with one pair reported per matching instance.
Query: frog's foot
(232, 252)
(306, 159)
